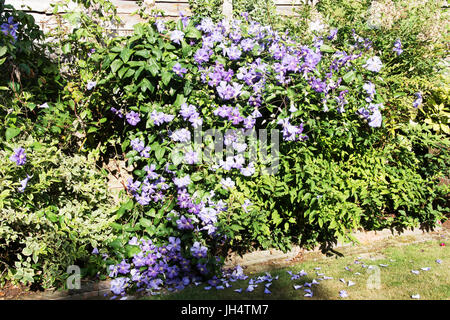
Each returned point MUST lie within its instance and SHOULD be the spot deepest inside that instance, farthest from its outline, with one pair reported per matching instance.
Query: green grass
(396, 281)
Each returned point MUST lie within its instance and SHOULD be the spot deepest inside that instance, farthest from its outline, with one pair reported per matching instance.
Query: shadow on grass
(281, 289)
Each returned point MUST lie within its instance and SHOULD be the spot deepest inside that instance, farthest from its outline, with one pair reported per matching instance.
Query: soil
(12, 292)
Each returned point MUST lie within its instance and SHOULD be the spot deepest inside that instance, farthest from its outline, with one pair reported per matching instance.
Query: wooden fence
(42, 9)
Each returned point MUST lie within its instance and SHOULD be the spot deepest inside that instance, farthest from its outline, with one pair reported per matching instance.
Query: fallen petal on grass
(343, 294)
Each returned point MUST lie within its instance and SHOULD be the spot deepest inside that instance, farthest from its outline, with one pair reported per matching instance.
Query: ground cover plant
(241, 134)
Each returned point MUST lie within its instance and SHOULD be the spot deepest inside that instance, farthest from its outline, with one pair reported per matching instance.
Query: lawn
(382, 275)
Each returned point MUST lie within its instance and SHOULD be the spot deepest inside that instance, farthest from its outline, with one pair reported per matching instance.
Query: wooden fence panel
(42, 9)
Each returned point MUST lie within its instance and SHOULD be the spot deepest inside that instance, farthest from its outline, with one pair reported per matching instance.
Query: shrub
(54, 208)
(337, 169)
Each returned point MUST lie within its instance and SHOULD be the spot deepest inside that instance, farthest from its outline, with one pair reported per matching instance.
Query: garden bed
(150, 159)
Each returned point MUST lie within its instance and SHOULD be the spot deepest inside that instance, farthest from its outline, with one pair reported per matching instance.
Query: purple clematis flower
(137, 145)
(179, 70)
(198, 250)
(182, 182)
(343, 294)
(10, 28)
(191, 157)
(160, 26)
(24, 183)
(181, 135)
(123, 267)
(176, 36)
(398, 47)
(233, 52)
(375, 118)
(202, 55)
(227, 91)
(247, 44)
(333, 34)
(91, 85)
(184, 223)
(373, 64)
(206, 25)
(133, 118)
(370, 89)
(418, 100)
(19, 156)
(119, 285)
(227, 183)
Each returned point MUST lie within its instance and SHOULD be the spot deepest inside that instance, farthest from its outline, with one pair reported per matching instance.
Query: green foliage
(207, 8)
(64, 211)
(420, 26)
(263, 11)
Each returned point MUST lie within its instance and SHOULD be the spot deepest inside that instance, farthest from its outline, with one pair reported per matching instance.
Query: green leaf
(349, 76)
(153, 67)
(139, 29)
(151, 213)
(188, 88)
(145, 222)
(27, 251)
(128, 205)
(186, 50)
(125, 54)
(11, 133)
(116, 244)
(145, 84)
(177, 158)
(67, 48)
(122, 72)
(132, 250)
(193, 32)
(196, 176)
(157, 53)
(165, 77)
(326, 48)
(116, 65)
(179, 100)
(129, 73)
(159, 153)
(143, 53)
(3, 51)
